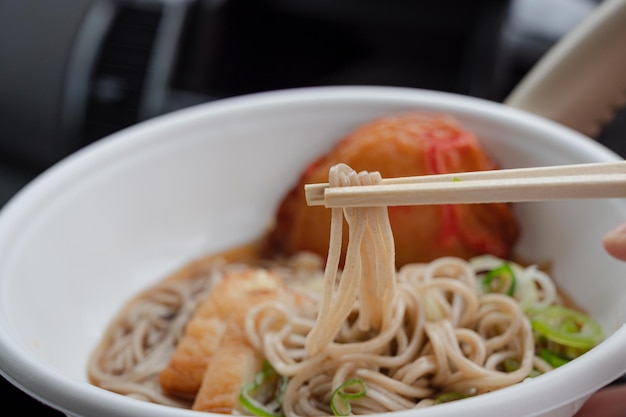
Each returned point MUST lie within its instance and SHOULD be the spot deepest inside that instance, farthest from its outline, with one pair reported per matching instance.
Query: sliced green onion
(263, 396)
(450, 396)
(510, 365)
(350, 390)
(566, 327)
(501, 280)
(552, 358)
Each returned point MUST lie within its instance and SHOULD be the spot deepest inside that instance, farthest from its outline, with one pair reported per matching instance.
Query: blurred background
(75, 71)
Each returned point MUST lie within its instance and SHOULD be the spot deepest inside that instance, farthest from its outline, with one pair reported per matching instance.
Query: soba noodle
(406, 337)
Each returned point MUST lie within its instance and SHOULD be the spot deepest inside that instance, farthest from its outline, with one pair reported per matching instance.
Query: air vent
(132, 70)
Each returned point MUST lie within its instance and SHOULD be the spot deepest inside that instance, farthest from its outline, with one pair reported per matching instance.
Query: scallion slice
(450, 396)
(263, 396)
(566, 327)
(552, 358)
(501, 280)
(350, 390)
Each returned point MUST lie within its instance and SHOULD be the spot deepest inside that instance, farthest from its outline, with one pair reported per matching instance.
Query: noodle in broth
(406, 336)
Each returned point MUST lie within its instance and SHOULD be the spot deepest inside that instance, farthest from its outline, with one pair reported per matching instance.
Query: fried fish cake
(410, 144)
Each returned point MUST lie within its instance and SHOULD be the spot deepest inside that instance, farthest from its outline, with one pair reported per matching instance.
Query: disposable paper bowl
(121, 214)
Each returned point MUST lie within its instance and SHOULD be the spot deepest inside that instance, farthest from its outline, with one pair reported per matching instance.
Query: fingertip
(614, 242)
(608, 402)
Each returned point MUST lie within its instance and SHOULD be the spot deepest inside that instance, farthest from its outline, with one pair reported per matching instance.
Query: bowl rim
(78, 398)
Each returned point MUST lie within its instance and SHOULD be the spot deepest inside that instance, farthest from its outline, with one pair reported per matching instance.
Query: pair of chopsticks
(581, 181)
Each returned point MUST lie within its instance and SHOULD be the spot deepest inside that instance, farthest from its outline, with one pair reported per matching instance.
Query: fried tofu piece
(214, 358)
(183, 375)
(234, 364)
(215, 317)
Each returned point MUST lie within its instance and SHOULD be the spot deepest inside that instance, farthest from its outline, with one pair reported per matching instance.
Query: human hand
(610, 401)
(614, 242)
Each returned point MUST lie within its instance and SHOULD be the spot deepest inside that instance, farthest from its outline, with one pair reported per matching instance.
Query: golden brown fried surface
(404, 145)
(214, 342)
(233, 364)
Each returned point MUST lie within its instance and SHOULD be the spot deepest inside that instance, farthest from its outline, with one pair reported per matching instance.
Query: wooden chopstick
(579, 181)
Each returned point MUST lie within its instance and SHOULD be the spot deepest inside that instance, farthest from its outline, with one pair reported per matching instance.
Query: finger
(608, 402)
(614, 242)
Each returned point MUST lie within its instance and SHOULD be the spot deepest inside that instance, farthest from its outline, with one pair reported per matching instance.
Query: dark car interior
(74, 71)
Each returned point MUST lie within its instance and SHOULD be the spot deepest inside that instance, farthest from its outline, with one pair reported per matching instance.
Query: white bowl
(121, 214)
